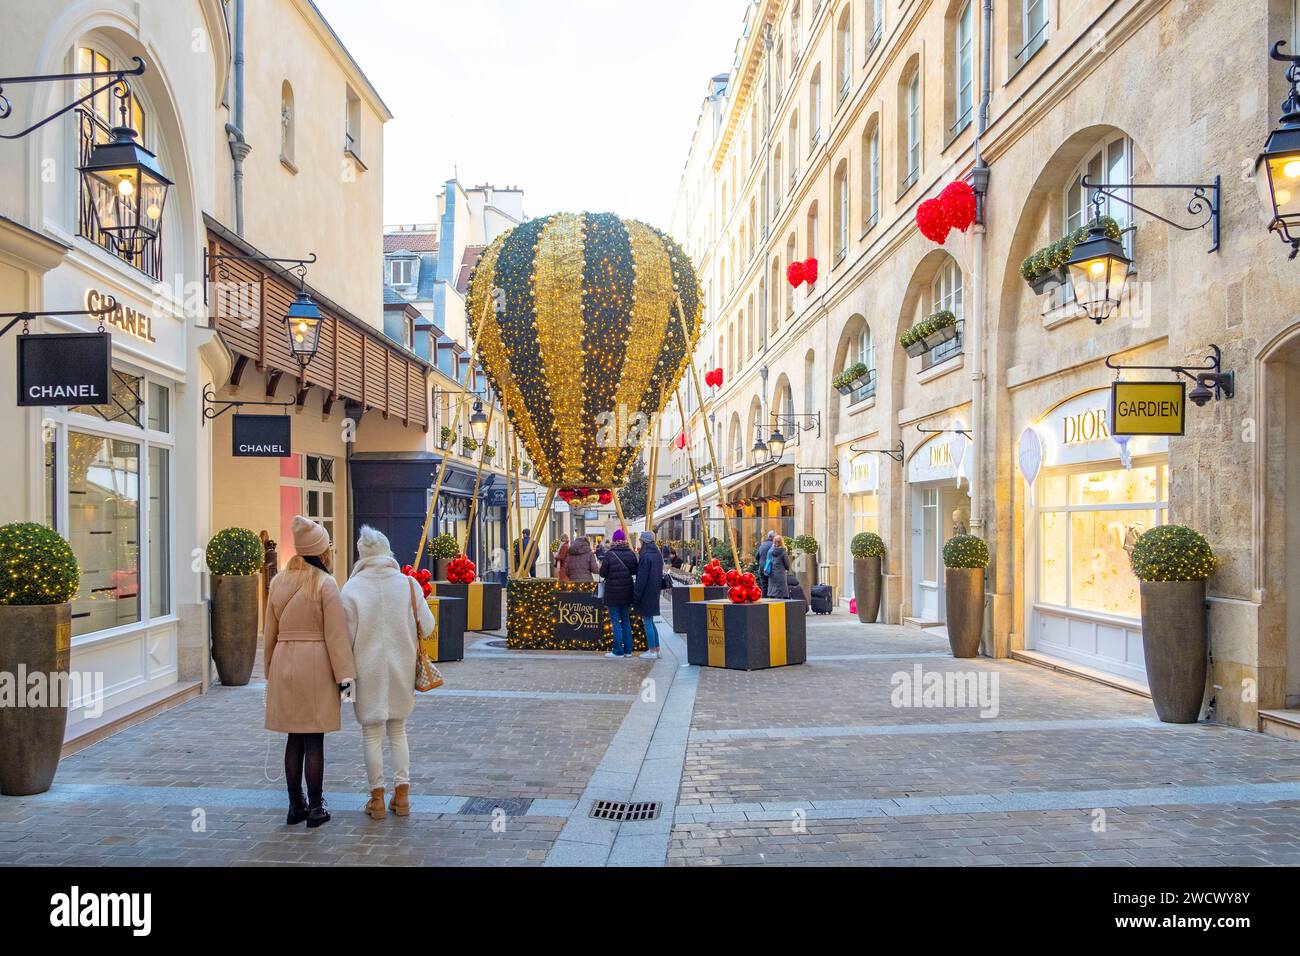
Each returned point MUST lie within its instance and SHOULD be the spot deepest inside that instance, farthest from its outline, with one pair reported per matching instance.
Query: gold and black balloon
(578, 332)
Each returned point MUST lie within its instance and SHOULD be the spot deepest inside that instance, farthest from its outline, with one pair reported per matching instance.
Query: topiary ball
(235, 551)
(805, 543)
(37, 565)
(965, 551)
(867, 544)
(1172, 552)
(444, 547)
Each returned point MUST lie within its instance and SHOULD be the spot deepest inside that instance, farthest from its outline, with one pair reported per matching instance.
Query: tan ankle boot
(401, 802)
(375, 806)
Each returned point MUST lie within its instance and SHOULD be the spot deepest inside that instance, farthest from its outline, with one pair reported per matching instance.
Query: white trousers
(372, 740)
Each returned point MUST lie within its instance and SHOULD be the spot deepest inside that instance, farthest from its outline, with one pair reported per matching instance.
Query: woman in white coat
(383, 607)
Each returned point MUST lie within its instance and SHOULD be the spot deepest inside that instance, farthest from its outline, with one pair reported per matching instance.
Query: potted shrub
(444, 436)
(443, 549)
(234, 557)
(868, 550)
(1045, 269)
(964, 559)
(854, 377)
(912, 342)
(1171, 563)
(38, 578)
(489, 452)
(468, 445)
(804, 546)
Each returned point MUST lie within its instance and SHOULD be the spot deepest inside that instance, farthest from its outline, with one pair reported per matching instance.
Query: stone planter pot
(866, 588)
(1175, 645)
(937, 338)
(916, 348)
(34, 639)
(440, 568)
(234, 627)
(964, 589)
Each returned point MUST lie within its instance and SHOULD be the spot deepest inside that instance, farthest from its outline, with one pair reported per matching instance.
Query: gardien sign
(1148, 408)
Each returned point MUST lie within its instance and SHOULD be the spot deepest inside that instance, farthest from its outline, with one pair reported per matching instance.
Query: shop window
(159, 406)
(929, 535)
(307, 488)
(95, 121)
(946, 294)
(126, 401)
(104, 530)
(1089, 522)
(159, 531)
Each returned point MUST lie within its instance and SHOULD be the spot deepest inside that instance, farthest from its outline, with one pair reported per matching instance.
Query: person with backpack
(778, 566)
(761, 563)
(646, 589)
(618, 571)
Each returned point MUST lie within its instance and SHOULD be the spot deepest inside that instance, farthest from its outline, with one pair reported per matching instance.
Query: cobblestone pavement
(825, 763)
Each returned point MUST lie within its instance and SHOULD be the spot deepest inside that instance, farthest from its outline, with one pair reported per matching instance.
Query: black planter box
(1048, 281)
(551, 615)
(746, 637)
(916, 348)
(482, 602)
(939, 336)
(683, 595)
(449, 644)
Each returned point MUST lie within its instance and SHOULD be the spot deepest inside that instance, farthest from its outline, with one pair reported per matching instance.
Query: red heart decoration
(959, 204)
(810, 271)
(794, 273)
(932, 220)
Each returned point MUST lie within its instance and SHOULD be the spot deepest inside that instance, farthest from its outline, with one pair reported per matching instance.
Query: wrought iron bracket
(793, 420)
(25, 317)
(214, 407)
(943, 431)
(116, 77)
(895, 453)
(297, 267)
(1210, 375)
(1204, 203)
(832, 469)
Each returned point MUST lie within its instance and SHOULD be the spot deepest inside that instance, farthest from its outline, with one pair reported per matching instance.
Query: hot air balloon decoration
(578, 325)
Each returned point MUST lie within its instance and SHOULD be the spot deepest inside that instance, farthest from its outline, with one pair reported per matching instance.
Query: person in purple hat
(618, 571)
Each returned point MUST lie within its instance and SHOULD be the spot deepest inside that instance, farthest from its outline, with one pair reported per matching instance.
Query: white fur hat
(373, 544)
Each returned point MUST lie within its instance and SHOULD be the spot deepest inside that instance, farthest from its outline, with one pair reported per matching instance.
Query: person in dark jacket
(760, 560)
(645, 591)
(521, 550)
(618, 570)
(777, 585)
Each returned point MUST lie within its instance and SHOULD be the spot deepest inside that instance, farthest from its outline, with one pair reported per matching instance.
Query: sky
(585, 104)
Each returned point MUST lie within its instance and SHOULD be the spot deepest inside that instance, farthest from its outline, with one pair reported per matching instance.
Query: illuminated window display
(1088, 521)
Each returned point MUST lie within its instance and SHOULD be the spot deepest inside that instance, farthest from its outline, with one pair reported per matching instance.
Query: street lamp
(303, 321)
(478, 424)
(1281, 159)
(1098, 270)
(776, 443)
(127, 189)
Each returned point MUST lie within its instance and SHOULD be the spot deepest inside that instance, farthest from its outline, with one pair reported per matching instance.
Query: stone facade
(1124, 91)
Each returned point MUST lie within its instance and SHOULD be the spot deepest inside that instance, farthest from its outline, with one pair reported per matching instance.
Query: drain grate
(624, 812)
(487, 806)
(500, 644)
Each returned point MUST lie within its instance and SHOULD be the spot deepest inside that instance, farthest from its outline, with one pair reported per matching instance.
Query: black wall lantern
(1098, 267)
(478, 424)
(1281, 159)
(303, 320)
(127, 187)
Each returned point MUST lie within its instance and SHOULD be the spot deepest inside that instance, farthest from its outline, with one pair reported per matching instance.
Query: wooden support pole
(433, 500)
(695, 480)
(510, 524)
(519, 515)
(653, 476)
(478, 477)
(708, 434)
(622, 522)
(536, 533)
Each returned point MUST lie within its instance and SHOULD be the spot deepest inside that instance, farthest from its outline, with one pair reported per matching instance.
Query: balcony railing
(90, 131)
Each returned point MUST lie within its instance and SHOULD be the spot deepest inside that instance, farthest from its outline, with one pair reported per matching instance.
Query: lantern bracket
(895, 453)
(25, 317)
(289, 266)
(115, 78)
(1209, 377)
(1204, 203)
(214, 407)
(943, 431)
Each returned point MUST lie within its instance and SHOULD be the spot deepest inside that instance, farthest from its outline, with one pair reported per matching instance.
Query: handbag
(427, 677)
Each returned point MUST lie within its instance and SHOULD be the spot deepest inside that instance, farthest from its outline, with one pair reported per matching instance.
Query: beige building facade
(835, 122)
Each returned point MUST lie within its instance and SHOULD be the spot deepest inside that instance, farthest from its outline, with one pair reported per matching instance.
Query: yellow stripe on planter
(430, 642)
(697, 592)
(717, 635)
(776, 634)
(474, 614)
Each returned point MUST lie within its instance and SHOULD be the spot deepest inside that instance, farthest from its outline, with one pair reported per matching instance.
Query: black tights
(305, 753)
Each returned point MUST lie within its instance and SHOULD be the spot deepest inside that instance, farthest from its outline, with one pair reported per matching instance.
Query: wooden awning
(247, 302)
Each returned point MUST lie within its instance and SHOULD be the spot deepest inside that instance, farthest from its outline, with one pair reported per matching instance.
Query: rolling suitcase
(795, 588)
(823, 600)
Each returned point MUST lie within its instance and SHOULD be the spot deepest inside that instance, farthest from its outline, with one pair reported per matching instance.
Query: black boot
(317, 814)
(297, 809)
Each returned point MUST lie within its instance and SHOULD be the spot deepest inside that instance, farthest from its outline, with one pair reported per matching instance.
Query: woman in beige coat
(308, 653)
(385, 608)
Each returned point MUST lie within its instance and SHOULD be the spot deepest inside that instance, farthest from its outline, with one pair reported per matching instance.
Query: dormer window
(401, 271)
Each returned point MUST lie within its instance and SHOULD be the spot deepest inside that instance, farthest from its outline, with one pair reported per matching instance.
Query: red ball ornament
(606, 496)
(959, 204)
(423, 575)
(737, 596)
(810, 271)
(932, 220)
(426, 588)
(794, 273)
(406, 569)
(755, 593)
(747, 577)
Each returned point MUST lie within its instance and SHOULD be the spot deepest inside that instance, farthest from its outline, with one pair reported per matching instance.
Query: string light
(37, 566)
(1172, 552)
(532, 617)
